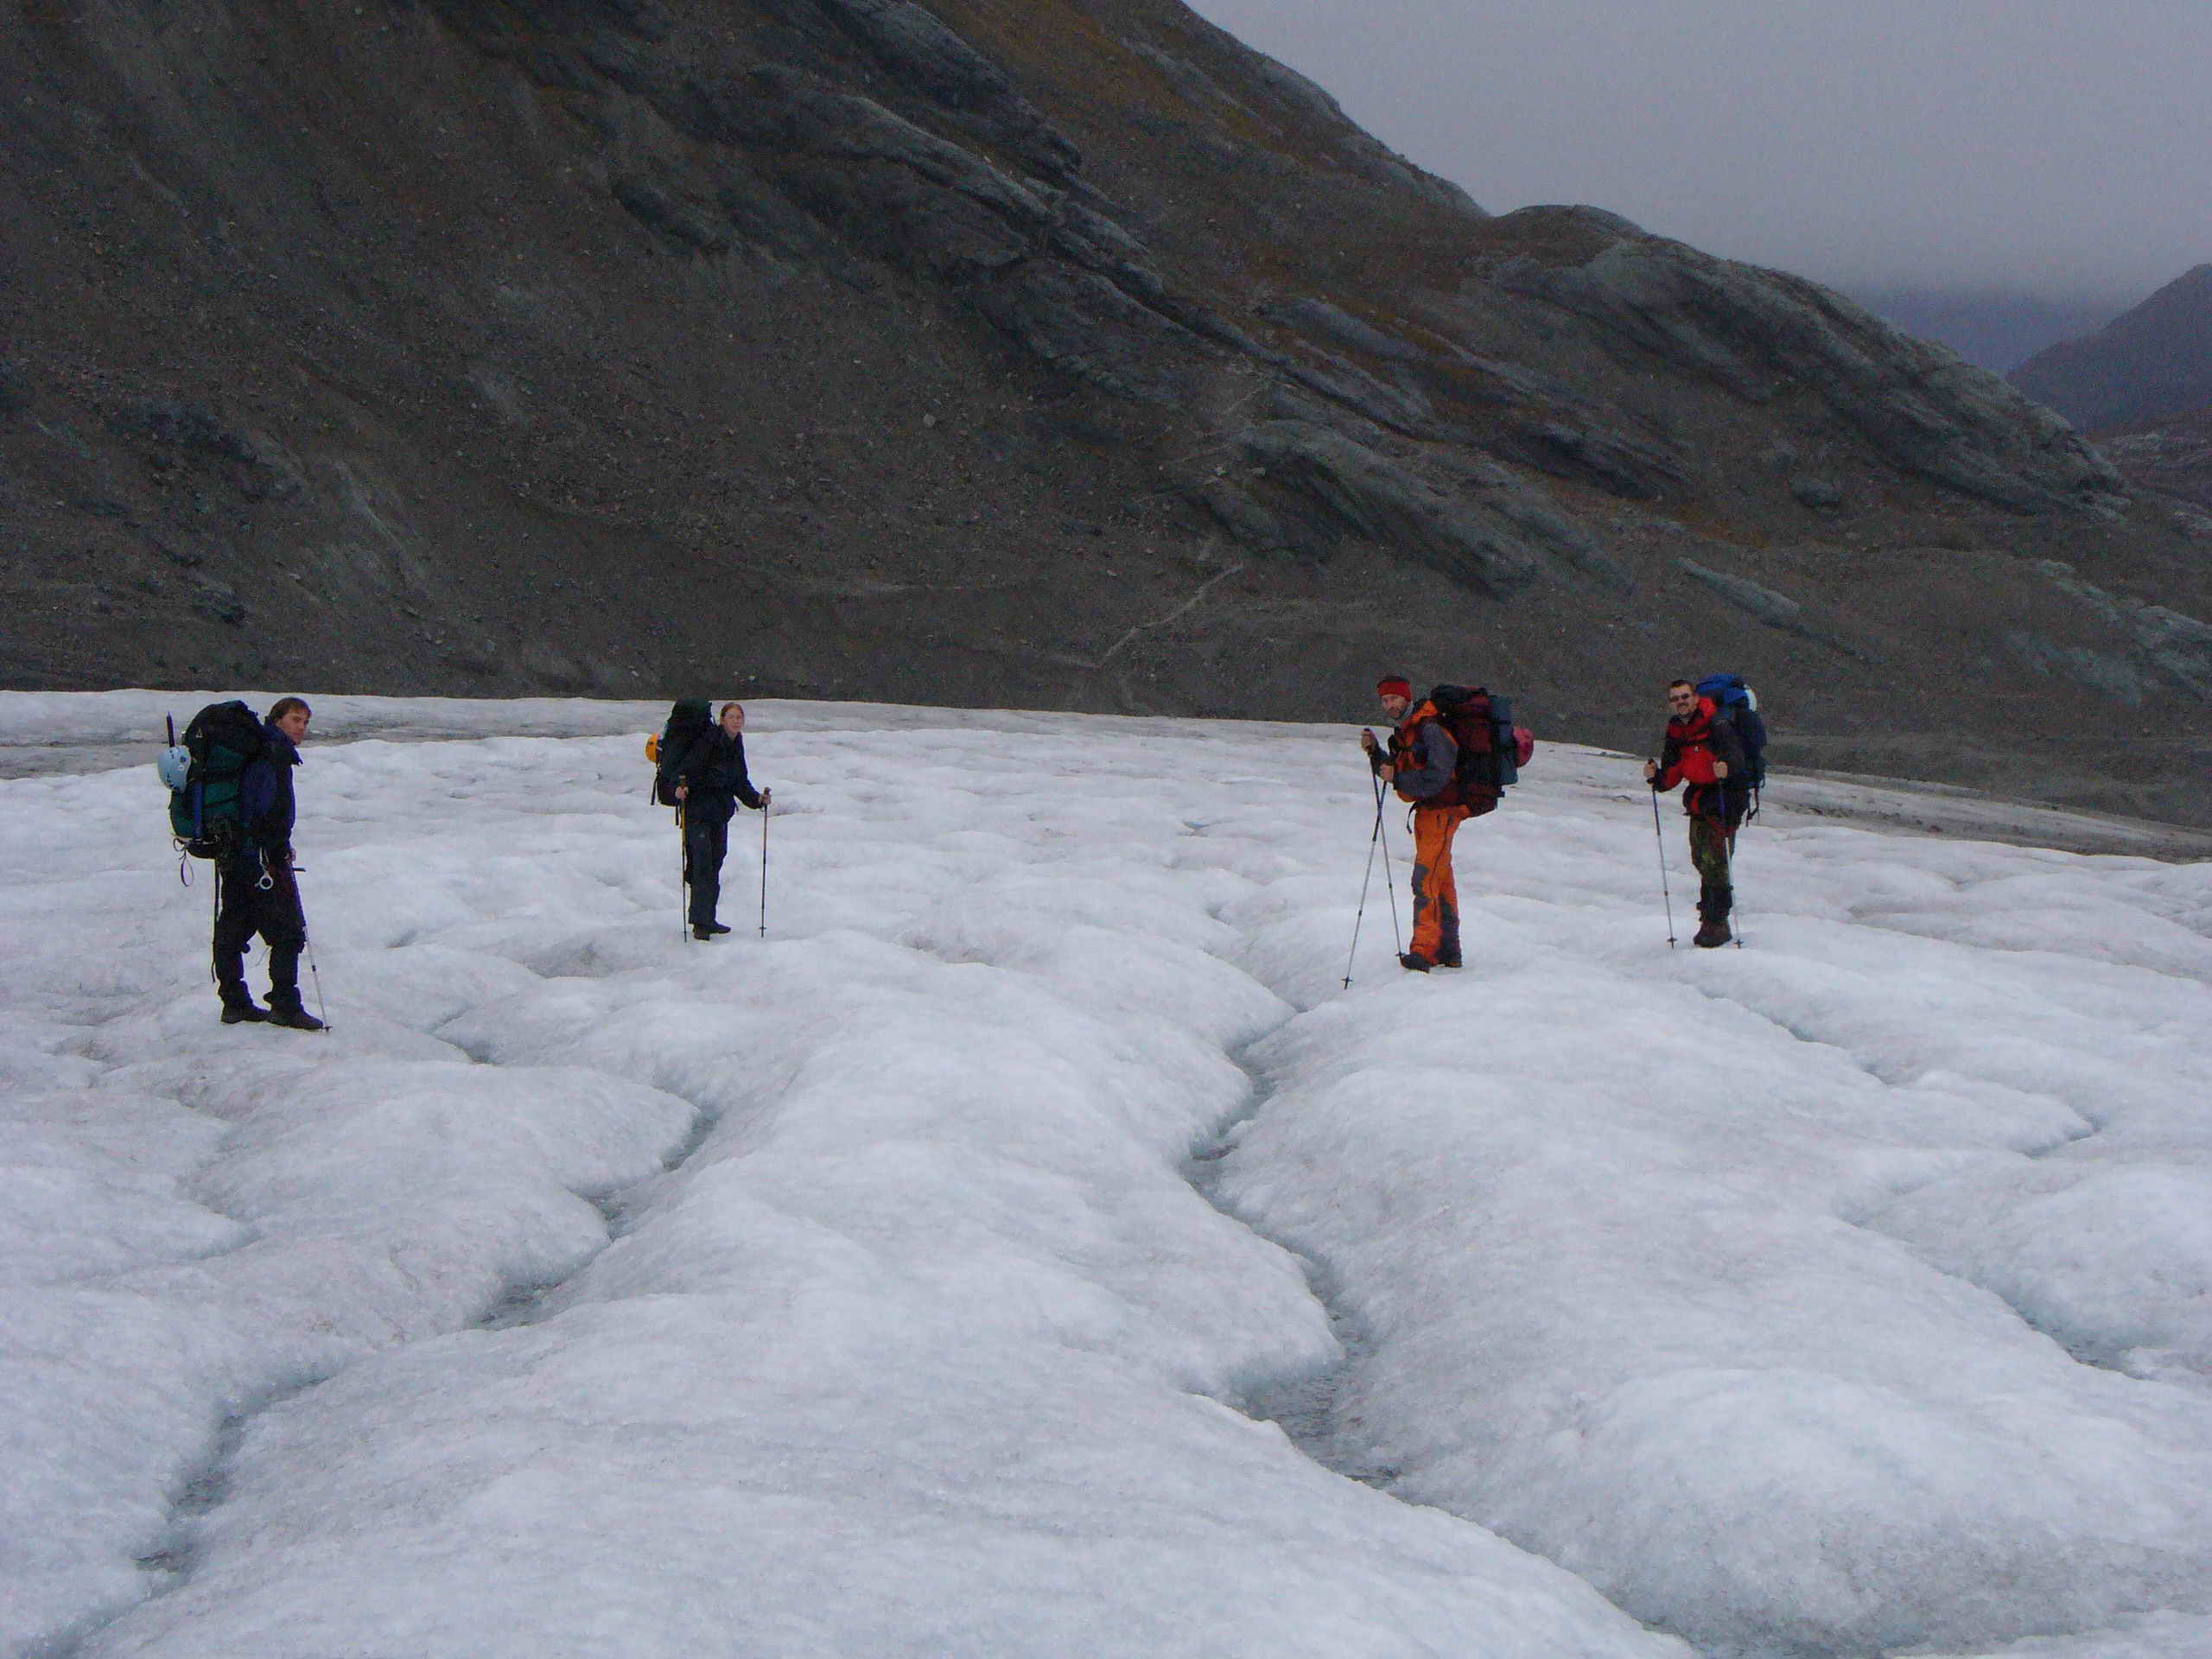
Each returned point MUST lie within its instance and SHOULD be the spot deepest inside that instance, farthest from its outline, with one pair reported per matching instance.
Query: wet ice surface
(585, 1291)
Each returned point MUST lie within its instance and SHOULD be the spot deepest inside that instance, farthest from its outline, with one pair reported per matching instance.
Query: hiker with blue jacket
(1704, 751)
(710, 781)
(256, 891)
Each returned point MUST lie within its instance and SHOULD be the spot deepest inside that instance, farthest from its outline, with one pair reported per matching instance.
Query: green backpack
(205, 773)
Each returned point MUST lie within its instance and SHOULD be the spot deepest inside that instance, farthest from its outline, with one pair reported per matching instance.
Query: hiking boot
(247, 1012)
(1413, 962)
(1711, 932)
(1452, 960)
(291, 1014)
(714, 927)
(709, 934)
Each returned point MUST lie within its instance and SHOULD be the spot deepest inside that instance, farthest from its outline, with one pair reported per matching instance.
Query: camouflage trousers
(1712, 845)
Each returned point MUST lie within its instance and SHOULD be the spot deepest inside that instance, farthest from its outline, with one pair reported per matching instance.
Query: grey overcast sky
(2058, 148)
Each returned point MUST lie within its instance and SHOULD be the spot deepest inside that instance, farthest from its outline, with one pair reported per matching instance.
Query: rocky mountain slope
(1058, 353)
(2141, 389)
(2146, 365)
(2171, 456)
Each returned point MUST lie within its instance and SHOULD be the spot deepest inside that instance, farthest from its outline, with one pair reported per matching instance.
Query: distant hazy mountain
(2153, 363)
(1991, 330)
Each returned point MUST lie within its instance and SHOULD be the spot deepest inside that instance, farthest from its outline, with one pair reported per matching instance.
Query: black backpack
(1492, 749)
(688, 722)
(206, 814)
(1738, 705)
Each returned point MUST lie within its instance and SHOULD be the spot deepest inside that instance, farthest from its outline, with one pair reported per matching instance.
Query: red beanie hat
(1392, 686)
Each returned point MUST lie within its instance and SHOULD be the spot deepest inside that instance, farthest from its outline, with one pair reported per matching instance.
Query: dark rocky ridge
(1051, 353)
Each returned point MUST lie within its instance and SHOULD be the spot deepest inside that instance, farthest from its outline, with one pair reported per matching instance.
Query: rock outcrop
(2170, 458)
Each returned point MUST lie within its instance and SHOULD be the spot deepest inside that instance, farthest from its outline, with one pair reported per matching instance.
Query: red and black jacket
(1694, 741)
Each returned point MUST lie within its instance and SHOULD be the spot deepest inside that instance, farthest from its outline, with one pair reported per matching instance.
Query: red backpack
(1492, 749)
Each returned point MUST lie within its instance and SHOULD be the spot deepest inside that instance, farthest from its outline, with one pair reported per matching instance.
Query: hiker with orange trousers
(1422, 763)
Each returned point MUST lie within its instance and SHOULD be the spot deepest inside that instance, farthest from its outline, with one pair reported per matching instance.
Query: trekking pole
(1735, 909)
(1367, 877)
(1389, 876)
(764, 870)
(307, 943)
(683, 876)
(1660, 836)
(321, 1012)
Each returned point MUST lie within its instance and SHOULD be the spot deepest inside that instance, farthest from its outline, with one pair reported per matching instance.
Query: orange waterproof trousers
(1436, 895)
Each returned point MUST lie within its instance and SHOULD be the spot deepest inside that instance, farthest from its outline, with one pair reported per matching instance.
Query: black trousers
(244, 908)
(706, 844)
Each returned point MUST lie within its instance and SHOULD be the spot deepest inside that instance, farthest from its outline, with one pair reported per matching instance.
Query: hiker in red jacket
(1422, 763)
(1703, 751)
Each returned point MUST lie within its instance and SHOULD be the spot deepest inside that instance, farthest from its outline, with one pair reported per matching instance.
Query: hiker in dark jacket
(710, 782)
(1703, 752)
(1422, 763)
(256, 891)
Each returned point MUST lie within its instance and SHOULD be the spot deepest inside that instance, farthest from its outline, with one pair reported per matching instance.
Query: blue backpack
(1738, 705)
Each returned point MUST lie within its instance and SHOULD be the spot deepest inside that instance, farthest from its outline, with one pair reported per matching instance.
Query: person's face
(294, 724)
(1396, 706)
(732, 720)
(1680, 700)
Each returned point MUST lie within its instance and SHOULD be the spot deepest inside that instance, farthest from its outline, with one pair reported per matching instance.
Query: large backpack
(1738, 705)
(688, 722)
(205, 774)
(1492, 749)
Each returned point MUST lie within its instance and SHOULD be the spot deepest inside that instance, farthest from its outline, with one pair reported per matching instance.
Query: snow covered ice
(922, 1279)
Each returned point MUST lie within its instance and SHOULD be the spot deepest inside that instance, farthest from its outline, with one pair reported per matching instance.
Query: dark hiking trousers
(706, 843)
(246, 908)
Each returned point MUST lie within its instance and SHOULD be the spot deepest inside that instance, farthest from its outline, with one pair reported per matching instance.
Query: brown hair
(1685, 684)
(726, 707)
(284, 706)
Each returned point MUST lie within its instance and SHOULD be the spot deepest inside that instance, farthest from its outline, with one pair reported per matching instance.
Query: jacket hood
(282, 751)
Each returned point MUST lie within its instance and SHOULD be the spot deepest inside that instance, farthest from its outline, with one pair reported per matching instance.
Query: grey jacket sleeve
(1436, 757)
